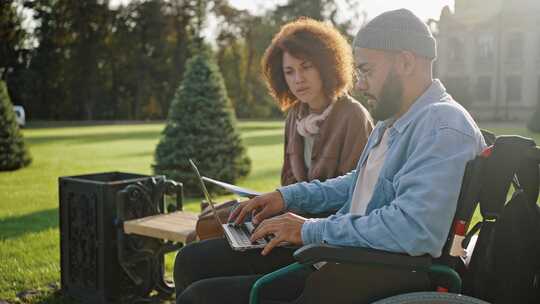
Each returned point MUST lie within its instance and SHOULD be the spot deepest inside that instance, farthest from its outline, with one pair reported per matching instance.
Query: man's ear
(406, 62)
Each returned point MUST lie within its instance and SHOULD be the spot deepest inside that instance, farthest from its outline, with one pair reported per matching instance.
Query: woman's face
(304, 81)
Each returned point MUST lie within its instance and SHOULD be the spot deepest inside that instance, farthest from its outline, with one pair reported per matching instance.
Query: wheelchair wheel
(430, 298)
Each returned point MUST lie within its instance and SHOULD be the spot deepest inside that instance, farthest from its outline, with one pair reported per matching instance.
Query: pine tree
(13, 153)
(201, 126)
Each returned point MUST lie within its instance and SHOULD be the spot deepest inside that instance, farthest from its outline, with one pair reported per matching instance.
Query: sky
(425, 9)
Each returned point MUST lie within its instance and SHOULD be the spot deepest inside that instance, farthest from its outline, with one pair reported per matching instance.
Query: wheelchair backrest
(486, 181)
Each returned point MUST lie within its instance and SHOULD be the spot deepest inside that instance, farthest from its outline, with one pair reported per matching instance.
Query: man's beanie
(397, 30)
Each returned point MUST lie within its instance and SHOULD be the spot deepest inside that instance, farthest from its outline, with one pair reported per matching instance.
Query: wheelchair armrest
(314, 253)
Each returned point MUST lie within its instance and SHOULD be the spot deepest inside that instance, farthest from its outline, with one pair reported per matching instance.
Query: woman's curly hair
(321, 44)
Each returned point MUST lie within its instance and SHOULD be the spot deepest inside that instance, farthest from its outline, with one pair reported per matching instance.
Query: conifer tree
(13, 153)
(201, 126)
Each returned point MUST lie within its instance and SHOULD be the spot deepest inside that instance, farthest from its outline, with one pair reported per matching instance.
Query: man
(401, 197)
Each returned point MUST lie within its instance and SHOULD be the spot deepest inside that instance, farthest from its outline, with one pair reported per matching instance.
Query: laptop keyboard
(242, 234)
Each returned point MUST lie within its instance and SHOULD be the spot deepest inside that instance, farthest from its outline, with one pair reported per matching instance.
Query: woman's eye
(288, 72)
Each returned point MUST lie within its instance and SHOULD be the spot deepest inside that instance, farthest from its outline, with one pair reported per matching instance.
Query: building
(489, 57)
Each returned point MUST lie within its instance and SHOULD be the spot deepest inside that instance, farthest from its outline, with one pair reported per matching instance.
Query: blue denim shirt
(416, 193)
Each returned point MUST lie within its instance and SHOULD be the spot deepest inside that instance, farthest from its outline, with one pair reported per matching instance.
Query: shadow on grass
(17, 226)
(139, 154)
(263, 140)
(56, 297)
(94, 138)
(49, 124)
(259, 128)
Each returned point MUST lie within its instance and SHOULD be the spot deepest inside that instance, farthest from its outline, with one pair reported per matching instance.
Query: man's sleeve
(317, 196)
(418, 219)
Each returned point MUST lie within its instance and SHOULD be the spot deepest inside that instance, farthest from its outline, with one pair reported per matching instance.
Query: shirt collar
(431, 95)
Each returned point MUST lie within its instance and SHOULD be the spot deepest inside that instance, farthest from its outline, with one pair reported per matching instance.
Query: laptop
(238, 236)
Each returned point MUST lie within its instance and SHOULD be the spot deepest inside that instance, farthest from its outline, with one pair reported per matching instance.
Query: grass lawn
(29, 239)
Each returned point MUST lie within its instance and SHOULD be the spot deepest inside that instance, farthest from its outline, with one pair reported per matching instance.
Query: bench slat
(174, 226)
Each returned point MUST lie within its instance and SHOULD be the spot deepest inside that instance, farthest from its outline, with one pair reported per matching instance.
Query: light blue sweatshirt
(416, 194)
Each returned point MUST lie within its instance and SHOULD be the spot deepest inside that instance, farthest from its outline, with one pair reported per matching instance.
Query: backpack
(505, 263)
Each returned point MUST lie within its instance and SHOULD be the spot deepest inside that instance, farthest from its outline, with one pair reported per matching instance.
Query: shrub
(201, 126)
(13, 152)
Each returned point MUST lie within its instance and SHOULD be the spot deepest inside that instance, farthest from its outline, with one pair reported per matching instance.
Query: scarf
(310, 125)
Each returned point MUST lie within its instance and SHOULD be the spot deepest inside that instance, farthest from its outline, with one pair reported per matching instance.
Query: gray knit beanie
(397, 30)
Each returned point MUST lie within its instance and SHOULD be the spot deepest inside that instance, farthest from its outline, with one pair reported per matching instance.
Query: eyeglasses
(359, 75)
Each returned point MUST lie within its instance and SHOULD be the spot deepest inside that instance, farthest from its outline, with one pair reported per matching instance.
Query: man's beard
(389, 102)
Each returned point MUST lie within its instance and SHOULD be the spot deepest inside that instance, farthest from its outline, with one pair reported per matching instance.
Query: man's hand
(262, 207)
(284, 228)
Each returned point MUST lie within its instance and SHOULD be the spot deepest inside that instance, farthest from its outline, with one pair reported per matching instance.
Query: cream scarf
(310, 125)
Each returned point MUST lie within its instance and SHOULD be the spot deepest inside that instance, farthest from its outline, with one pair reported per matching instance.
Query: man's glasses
(359, 75)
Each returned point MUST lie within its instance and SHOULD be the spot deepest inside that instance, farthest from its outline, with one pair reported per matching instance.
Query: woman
(308, 69)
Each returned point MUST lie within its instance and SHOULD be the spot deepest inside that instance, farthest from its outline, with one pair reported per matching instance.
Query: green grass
(29, 239)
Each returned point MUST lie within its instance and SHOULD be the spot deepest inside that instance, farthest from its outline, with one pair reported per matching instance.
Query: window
(455, 49)
(484, 48)
(458, 87)
(538, 49)
(514, 47)
(538, 90)
(513, 88)
(483, 88)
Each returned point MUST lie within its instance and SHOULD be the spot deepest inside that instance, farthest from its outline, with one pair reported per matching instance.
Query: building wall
(489, 57)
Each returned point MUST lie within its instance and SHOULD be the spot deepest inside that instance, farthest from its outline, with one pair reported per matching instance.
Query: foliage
(97, 62)
(201, 126)
(13, 152)
(12, 36)
(243, 39)
(87, 60)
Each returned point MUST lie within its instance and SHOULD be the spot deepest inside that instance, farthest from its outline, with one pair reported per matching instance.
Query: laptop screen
(205, 191)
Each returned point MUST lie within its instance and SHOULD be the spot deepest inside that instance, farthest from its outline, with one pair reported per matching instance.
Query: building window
(514, 47)
(484, 48)
(538, 49)
(458, 87)
(513, 88)
(483, 88)
(538, 93)
(456, 49)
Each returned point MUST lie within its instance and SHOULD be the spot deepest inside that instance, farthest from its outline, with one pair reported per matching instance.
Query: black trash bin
(99, 264)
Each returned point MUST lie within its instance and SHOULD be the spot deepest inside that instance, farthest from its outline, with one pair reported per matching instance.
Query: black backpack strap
(507, 159)
(528, 178)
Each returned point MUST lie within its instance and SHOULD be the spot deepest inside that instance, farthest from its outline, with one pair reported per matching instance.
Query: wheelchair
(509, 160)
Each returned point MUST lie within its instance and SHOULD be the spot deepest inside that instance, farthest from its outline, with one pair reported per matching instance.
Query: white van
(20, 116)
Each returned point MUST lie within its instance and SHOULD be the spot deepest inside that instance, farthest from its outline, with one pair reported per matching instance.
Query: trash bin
(98, 263)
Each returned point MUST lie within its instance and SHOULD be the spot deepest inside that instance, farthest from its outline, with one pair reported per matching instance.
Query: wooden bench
(175, 226)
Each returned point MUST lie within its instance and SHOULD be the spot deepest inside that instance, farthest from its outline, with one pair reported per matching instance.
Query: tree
(201, 126)
(13, 153)
(12, 36)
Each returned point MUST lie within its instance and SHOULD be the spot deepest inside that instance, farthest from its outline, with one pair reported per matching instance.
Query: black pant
(211, 272)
